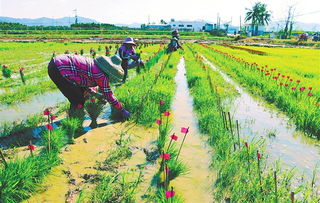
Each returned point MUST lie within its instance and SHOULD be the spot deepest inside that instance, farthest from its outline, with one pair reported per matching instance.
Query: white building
(193, 26)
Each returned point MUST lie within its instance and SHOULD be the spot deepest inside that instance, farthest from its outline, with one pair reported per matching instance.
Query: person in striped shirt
(75, 76)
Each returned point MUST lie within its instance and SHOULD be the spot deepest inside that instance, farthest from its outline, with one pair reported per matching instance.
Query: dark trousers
(124, 65)
(75, 94)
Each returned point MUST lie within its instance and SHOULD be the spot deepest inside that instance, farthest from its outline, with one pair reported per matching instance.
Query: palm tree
(258, 16)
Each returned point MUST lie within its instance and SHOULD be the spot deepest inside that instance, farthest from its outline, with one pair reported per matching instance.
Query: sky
(139, 11)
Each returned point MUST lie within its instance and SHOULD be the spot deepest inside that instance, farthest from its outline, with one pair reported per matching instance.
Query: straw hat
(129, 40)
(111, 66)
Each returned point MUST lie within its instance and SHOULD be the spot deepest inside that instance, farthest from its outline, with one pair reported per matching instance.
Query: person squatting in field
(127, 53)
(75, 76)
(174, 44)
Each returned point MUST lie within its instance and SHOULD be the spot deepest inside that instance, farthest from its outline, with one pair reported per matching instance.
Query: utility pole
(218, 21)
(287, 23)
(240, 26)
(75, 16)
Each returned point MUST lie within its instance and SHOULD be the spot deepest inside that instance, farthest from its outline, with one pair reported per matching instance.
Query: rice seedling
(93, 107)
(71, 125)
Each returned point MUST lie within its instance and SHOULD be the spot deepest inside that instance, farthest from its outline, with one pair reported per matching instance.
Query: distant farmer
(174, 44)
(129, 58)
(74, 75)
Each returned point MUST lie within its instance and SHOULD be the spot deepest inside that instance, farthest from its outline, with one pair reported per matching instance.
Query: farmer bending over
(174, 44)
(126, 52)
(74, 75)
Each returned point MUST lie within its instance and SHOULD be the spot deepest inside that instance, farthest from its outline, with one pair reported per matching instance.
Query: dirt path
(79, 161)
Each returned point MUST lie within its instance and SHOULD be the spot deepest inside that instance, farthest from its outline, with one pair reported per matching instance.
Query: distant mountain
(66, 21)
(274, 26)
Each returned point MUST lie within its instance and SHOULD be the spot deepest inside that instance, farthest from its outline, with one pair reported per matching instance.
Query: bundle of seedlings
(94, 108)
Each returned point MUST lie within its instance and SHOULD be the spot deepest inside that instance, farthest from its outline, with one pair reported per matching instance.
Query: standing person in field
(74, 75)
(174, 44)
(127, 53)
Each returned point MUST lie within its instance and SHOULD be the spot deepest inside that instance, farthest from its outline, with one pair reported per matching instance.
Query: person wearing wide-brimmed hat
(127, 53)
(174, 44)
(74, 75)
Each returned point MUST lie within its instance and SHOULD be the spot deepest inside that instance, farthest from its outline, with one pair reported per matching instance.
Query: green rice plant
(22, 177)
(94, 108)
(284, 89)
(115, 156)
(6, 72)
(143, 103)
(71, 125)
(242, 174)
(115, 188)
(57, 140)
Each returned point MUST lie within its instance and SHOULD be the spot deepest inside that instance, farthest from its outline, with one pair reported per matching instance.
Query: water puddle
(196, 185)
(37, 104)
(283, 141)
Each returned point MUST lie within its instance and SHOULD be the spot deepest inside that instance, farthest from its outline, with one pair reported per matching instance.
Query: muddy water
(36, 105)
(196, 185)
(256, 118)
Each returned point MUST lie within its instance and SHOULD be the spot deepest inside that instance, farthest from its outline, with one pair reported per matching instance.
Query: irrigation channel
(22, 110)
(196, 186)
(259, 120)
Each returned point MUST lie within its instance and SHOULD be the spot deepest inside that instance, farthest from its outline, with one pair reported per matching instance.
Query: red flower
(46, 112)
(31, 147)
(281, 83)
(49, 127)
(293, 89)
(165, 156)
(258, 155)
(53, 118)
(310, 88)
(286, 85)
(291, 80)
(170, 193)
(4, 66)
(298, 81)
(80, 106)
(279, 74)
(174, 137)
(246, 144)
(283, 76)
(288, 77)
(302, 88)
(92, 99)
(166, 113)
(184, 130)
(161, 102)
(158, 122)
(21, 69)
(309, 94)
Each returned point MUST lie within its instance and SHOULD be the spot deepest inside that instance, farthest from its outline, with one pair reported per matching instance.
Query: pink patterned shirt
(82, 71)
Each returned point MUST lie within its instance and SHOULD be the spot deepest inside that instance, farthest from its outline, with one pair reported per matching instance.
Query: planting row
(287, 93)
(242, 172)
(23, 79)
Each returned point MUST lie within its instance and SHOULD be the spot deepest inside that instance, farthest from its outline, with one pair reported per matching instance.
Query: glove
(135, 57)
(125, 114)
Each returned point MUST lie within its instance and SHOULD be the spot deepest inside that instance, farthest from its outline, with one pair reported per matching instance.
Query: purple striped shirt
(82, 71)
